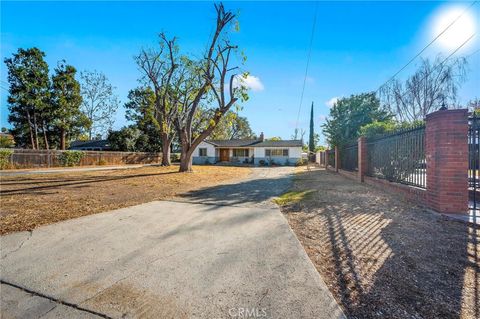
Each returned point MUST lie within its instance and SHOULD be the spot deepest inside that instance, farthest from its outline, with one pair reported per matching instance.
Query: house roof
(282, 143)
(90, 144)
(255, 143)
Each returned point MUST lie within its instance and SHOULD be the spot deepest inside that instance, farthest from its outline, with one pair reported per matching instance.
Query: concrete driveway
(217, 253)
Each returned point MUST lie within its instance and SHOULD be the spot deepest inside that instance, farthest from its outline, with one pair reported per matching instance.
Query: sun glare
(458, 32)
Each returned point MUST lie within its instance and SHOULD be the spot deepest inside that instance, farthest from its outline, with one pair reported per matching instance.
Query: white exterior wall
(293, 152)
(210, 149)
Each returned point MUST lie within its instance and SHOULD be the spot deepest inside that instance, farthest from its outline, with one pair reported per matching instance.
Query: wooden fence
(27, 158)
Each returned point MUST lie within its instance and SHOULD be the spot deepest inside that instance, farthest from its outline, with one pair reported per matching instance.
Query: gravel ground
(382, 257)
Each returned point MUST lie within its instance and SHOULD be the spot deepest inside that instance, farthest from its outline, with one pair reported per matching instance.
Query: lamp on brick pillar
(362, 158)
(446, 151)
(337, 159)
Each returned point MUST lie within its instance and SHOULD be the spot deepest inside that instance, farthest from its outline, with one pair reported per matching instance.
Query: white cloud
(332, 101)
(322, 117)
(250, 82)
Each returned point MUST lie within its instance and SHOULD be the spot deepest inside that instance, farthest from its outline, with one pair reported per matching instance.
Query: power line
(443, 62)
(306, 68)
(428, 45)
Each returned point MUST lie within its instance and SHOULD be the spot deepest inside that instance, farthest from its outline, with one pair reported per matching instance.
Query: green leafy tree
(142, 111)
(349, 114)
(28, 99)
(232, 126)
(126, 139)
(275, 138)
(311, 140)
(66, 101)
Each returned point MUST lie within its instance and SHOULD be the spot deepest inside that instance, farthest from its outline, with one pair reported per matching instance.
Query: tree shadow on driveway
(253, 192)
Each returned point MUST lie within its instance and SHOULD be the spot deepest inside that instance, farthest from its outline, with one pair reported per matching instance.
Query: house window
(240, 152)
(276, 152)
(202, 151)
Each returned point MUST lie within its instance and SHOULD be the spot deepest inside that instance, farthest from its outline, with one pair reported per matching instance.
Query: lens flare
(458, 32)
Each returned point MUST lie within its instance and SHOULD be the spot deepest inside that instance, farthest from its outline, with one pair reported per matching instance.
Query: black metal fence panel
(349, 157)
(474, 160)
(399, 157)
(331, 158)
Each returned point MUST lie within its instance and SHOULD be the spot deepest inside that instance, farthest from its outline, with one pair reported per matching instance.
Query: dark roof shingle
(255, 143)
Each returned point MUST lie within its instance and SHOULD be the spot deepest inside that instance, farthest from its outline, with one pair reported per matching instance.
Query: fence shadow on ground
(386, 258)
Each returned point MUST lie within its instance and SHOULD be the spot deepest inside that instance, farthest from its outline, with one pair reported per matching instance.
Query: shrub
(5, 158)
(287, 162)
(301, 162)
(175, 157)
(102, 162)
(71, 158)
(207, 162)
(6, 142)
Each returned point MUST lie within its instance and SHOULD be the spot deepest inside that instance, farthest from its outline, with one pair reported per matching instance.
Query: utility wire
(428, 45)
(306, 68)
(443, 62)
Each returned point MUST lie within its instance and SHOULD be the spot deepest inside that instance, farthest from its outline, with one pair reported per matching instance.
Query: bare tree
(99, 102)
(158, 67)
(209, 84)
(429, 88)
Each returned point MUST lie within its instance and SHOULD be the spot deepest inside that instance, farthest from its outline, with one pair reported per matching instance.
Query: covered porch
(241, 155)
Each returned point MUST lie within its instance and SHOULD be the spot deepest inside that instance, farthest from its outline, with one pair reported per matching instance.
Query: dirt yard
(381, 257)
(28, 201)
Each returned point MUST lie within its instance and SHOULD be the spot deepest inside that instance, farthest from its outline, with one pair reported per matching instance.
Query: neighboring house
(253, 151)
(94, 145)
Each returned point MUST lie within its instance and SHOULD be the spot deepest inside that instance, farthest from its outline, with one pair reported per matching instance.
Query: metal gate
(474, 161)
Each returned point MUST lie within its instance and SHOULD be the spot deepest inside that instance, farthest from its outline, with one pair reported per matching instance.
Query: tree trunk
(62, 139)
(166, 142)
(30, 125)
(35, 132)
(186, 160)
(45, 138)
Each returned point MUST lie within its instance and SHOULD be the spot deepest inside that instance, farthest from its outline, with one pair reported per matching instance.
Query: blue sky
(357, 46)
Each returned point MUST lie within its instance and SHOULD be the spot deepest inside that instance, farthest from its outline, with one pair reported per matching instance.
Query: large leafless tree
(429, 88)
(158, 67)
(211, 83)
(99, 102)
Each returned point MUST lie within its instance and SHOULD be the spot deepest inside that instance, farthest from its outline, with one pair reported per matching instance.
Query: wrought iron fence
(349, 157)
(474, 160)
(399, 157)
(331, 158)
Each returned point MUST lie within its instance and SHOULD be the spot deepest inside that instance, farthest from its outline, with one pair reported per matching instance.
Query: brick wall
(446, 152)
(447, 160)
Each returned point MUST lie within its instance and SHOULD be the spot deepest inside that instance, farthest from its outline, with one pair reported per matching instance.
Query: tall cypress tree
(311, 141)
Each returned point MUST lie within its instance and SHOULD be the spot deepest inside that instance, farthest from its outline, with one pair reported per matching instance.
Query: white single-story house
(251, 151)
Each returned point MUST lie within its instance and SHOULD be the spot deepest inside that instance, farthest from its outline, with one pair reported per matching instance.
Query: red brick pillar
(446, 150)
(362, 158)
(337, 159)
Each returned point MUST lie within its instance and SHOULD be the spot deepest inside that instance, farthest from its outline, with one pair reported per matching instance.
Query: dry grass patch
(28, 201)
(384, 258)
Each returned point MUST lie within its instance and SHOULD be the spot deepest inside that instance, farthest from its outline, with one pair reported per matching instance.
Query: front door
(224, 154)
